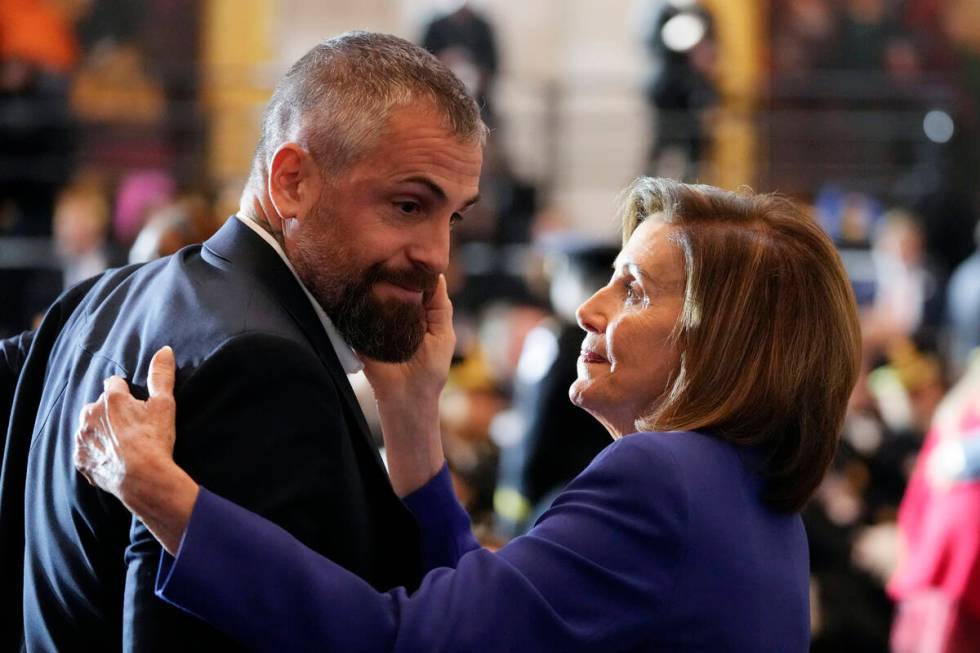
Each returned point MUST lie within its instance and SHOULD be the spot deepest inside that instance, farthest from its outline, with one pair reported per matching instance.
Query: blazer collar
(348, 359)
(243, 249)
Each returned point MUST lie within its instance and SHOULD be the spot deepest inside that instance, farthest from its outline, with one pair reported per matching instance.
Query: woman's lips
(592, 357)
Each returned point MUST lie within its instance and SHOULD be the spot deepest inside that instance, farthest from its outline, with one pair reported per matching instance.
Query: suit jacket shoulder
(736, 546)
(265, 412)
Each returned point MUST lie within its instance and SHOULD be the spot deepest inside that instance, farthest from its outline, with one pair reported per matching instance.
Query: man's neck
(252, 209)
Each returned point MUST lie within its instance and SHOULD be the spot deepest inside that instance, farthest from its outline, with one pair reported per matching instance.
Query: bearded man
(370, 150)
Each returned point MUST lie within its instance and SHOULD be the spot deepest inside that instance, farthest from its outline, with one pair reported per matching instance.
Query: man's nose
(430, 248)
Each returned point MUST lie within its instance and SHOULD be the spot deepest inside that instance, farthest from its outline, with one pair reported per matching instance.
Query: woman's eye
(633, 292)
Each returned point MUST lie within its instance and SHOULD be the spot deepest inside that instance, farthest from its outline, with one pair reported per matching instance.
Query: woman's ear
(294, 182)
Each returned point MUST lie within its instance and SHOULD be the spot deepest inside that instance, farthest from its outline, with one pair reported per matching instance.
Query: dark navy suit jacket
(265, 416)
(661, 544)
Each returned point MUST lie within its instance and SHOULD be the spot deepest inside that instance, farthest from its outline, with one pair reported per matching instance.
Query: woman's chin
(581, 400)
(582, 394)
(577, 392)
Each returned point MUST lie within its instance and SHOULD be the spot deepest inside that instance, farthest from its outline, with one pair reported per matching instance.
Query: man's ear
(294, 182)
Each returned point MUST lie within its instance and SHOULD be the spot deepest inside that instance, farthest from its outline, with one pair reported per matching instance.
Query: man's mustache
(413, 278)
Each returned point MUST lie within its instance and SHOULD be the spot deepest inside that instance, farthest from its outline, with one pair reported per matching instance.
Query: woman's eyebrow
(659, 281)
(636, 271)
(622, 264)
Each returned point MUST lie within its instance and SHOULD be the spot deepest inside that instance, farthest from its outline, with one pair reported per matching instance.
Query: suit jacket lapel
(240, 246)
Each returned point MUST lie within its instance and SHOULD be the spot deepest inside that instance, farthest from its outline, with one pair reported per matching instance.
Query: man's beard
(389, 331)
(386, 330)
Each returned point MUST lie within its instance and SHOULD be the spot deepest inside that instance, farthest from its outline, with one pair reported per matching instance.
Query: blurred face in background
(80, 222)
(629, 357)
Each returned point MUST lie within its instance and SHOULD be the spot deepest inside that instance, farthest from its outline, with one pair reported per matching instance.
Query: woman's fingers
(439, 310)
(83, 457)
(115, 385)
(118, 431)
(114, 401)
(87, 415)
(92, 455)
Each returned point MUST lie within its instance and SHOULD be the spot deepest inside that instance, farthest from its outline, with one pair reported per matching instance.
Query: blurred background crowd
(127, 127)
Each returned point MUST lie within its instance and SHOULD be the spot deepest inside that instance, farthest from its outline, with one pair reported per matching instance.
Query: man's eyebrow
(437, 190)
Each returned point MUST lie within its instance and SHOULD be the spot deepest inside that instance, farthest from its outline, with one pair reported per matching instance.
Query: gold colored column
(742, 38)
(238, 61)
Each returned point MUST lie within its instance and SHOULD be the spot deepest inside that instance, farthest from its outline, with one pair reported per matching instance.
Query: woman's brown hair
(769, 330)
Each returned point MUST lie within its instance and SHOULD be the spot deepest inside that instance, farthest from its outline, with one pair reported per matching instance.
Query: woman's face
(628, 357)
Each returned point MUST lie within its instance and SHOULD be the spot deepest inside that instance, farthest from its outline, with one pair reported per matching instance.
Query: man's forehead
(422, 113)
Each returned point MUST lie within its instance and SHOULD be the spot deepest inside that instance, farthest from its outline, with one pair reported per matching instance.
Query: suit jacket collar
(243, 249)
(348, 359)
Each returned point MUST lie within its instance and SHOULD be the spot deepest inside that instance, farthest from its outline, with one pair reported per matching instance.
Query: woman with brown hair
(720, 357)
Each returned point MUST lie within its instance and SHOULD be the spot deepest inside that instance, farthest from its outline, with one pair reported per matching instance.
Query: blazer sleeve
(444, 525)
(594, 574)
(260, 419)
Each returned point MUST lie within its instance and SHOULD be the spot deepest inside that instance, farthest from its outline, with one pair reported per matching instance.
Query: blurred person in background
(490, 248)
(545, 443)
(963, 308)
(138, 92)
(139, 195)
(370, 150)
(113, 87)
(682, 89)
(479, 391)
(851, 522)
(937, 582)
(802, 36)
(864, 34)
(909, 292)
(720, 357)
(464, 40)
(187, 221)
(467, 409)
(81, 234)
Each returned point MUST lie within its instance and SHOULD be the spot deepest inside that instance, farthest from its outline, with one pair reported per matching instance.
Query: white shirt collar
(348, 359)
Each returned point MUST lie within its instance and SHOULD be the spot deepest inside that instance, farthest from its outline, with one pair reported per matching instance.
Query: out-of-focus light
(682, 4)
(938, 126)
(538, 355)
(683, 32)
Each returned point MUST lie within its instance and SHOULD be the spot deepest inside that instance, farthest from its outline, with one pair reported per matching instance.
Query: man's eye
(455, 218)
(408, 207)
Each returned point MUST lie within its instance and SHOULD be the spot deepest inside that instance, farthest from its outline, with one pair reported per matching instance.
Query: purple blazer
(661, 544)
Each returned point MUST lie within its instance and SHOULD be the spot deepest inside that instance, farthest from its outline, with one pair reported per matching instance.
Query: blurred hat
(581, 253)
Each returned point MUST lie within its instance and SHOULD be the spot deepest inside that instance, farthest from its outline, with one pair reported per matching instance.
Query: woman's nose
(591, 315)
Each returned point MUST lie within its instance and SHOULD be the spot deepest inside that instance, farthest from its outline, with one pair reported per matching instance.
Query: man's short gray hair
(336, 100)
